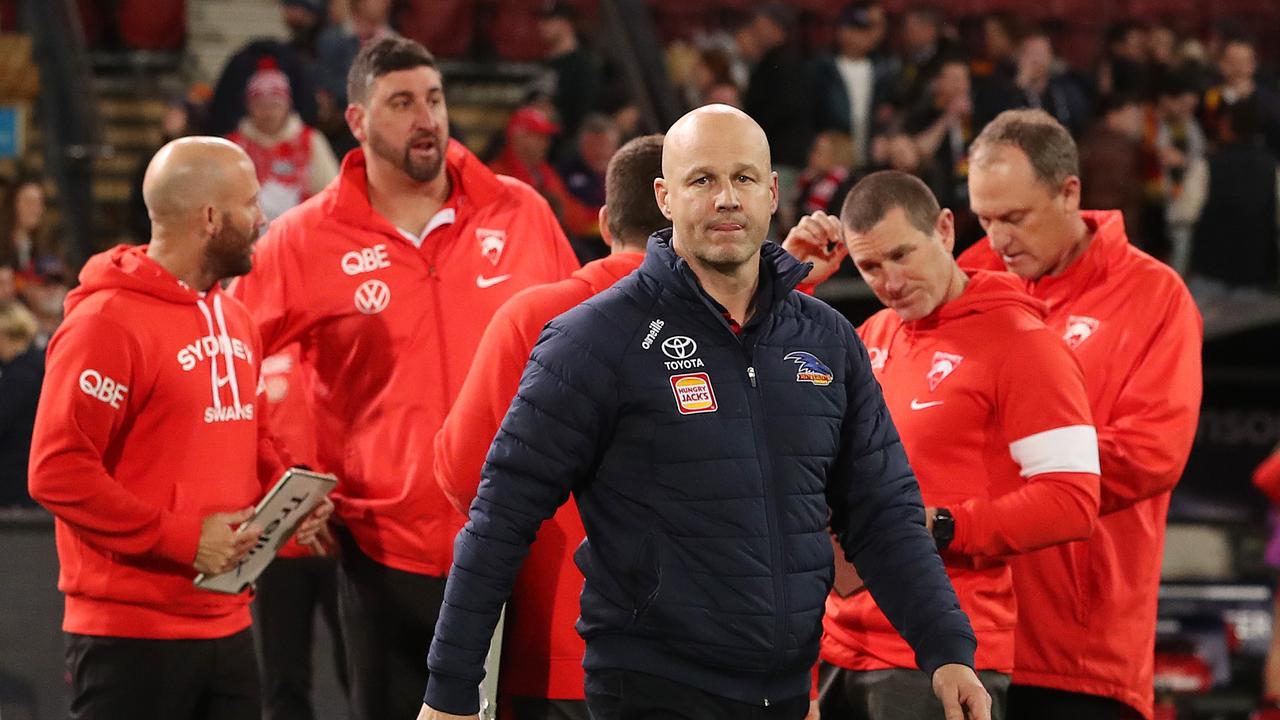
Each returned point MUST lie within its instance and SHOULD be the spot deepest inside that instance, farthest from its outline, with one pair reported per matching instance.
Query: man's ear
(660, 194)
(354, 115)
(603, 218)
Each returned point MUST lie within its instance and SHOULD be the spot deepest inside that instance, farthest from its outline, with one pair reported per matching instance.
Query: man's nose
(728, 198)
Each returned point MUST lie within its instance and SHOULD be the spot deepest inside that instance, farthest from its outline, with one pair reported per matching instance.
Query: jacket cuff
(946, 650)
(452, 695)
(963, 541)
(179, 538)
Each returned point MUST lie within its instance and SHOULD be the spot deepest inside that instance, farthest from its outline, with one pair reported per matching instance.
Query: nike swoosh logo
(917, 405)
(486, 282)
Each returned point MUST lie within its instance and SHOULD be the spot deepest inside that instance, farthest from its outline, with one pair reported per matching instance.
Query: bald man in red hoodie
(148, 449)
(541, 673)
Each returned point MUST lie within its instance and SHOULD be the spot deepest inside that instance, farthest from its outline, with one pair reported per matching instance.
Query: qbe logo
(99, 387)
(373, 297)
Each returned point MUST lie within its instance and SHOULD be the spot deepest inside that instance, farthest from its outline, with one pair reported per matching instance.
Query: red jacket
(1267, 477)
(1087, 611)
(147, 423)
(992, 411)
(389, 329)
(542, 654)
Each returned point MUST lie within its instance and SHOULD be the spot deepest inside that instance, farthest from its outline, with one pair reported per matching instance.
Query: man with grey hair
(1087, 611)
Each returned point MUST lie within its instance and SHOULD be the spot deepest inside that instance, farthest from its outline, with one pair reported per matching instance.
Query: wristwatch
(944, 528)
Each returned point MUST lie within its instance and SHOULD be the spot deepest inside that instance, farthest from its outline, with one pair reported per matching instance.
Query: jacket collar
(779, 274)
(471, 183)
(1108, 247)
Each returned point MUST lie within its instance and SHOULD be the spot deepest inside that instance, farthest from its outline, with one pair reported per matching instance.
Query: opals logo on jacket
(693, 393)
(943, 365)
(811, 369)
(1079, 328)
(492, 243)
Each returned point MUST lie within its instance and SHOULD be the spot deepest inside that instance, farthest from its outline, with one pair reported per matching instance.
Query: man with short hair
(963, 356)
(541, 673)
(1087, 611)
(710, 423)
(387, 279)
(149, 449)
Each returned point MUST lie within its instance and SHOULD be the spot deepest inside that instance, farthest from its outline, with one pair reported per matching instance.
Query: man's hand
(818, 238)
(929, 512)
(813, 711)
(430, 713)
(221, 547)
(310, 528)
(961, 693)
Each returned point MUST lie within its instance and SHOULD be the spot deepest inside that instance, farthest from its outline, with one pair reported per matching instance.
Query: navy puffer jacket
(706, 467)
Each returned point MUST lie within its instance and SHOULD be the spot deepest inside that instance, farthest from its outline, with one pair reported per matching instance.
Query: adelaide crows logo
(811, 369)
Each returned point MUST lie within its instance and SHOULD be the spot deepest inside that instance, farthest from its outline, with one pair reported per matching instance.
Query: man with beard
(710, 422)
(148, 450)
(387, 279)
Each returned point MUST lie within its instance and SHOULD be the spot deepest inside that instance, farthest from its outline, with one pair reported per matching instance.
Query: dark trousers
(524, 708)
(388, 619)
(628, 695)
(288, 593)
(141, 679)
(895, 694)
(1028, 702)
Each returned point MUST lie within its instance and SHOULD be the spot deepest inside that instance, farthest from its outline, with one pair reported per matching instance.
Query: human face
(268, 113)
(405, 122)
(229, 252)
(910, 271)
(596, 149)
(718, 190)
(952, 82)
(28, 206)
(530, 146)
(1031, 226)
(1238, 62)
(1035, 58)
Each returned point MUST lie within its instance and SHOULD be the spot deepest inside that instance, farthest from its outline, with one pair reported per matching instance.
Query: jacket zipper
(755, 401)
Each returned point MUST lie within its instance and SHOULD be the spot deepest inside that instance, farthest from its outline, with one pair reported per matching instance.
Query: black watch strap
(944, 528)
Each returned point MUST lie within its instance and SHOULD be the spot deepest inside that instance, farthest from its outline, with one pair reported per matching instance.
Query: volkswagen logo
(679, 347)
(372, 297)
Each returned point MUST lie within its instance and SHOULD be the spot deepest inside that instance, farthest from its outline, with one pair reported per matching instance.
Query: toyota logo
(679, 347)
(372, 297)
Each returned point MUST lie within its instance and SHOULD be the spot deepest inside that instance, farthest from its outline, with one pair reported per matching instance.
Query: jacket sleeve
(548, 442)
(878, 517)
(1267, 477)
(94, 383)
(1043, 411)
(1144, 442)
(473, 421)
(272, 290)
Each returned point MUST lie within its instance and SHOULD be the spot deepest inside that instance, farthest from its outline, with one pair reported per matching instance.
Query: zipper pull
(751, 375)
(431, 270)
(766, 702)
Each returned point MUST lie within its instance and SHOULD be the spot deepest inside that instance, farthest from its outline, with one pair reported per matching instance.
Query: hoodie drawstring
(223, 340)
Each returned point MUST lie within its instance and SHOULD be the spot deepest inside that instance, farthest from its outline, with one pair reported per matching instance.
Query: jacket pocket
(646, 572)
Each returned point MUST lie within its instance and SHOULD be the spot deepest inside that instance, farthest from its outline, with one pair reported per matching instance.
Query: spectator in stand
(28, 245)
(1238, 67)
(1111, 170)
(228, 104)
(1124, 68)
(777, 98)
(830, 160)
(1001, 36)
(575, 70)
(1180, 149)
(711, 69)
(1234, 246)
(524, 157)
(942, 128)
(304, 20)
(743, 47)
(923, 49)
(849, 87)
(21, 372)
(1040, 86)
(584, 176)
(292, 159)
(367, 22)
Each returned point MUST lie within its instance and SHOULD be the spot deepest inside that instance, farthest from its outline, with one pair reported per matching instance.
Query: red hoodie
(1087, 611)
(147, 424)
(992, 412)
(388, 328)
(542, 653)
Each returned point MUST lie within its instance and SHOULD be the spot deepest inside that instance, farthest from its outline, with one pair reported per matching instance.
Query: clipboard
(293, 497)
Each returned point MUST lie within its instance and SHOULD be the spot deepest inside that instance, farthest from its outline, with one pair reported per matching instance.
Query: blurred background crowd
(1175, 105)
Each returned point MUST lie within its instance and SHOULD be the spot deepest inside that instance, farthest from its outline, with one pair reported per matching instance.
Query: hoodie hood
(987, 290)
(127, 267)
